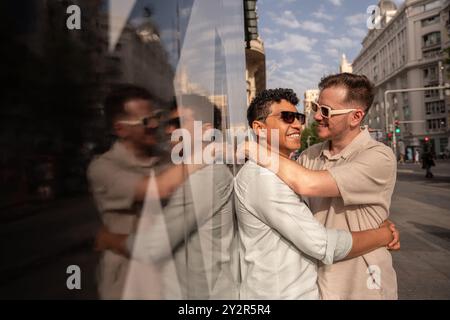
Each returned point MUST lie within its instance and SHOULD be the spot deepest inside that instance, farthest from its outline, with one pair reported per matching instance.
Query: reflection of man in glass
(119, 178)
(116, 176)
(191, 240)
(281, 242)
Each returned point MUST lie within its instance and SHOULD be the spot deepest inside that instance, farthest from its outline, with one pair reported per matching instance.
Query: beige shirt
(365, 173)
(112, 178)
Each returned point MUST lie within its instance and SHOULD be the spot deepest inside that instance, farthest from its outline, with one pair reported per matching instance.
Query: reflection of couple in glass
(175, 222)
(310, 229)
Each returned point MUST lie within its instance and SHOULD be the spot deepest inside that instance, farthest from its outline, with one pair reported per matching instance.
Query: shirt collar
(356, 143)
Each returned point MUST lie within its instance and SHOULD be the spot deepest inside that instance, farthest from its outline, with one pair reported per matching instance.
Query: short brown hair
(359, 88)
(118, 96)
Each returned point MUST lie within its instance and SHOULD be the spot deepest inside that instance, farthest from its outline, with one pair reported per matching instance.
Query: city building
(309, 96)
(345, 66)
(255, 57)
(407, 50)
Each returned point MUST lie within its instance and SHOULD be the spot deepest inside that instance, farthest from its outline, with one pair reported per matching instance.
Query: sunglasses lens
(175, 122)
(288, 117)
(325, 112)
(302, 118)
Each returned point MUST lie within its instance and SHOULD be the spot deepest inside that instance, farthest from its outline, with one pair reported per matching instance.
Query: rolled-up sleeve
(339, 244)
(275, 203)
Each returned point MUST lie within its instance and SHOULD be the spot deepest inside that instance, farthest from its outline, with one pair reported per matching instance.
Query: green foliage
(311, 132)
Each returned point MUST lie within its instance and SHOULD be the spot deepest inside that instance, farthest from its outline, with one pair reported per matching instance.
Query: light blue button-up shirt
(280, 240)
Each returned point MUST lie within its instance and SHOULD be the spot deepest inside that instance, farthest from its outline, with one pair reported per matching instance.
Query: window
(444, 143)
(435, 107)
(431, 93)
(430, 73)
(437, 124)
(430, 20)
(431, 39)
(431, 53)
(405, 96)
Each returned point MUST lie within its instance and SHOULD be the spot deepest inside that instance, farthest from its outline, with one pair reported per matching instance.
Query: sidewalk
(442, 168)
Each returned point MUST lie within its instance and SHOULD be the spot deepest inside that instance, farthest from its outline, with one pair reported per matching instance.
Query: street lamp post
(386, 104)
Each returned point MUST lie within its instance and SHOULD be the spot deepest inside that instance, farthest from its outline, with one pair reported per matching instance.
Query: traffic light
(389, 135)
(397, 126)
(427, 139)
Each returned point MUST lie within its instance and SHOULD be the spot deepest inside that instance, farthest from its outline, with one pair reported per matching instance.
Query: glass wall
(113, 182)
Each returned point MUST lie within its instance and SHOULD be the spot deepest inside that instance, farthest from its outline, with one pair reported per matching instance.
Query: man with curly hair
(347, 181)
(280, 240)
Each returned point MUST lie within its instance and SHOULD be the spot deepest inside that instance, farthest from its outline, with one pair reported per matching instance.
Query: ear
(259, 128)
(357, 117)
(120, 130)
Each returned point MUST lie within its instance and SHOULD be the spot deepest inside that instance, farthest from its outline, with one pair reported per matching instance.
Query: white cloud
(357, 32)
(320, 14)
(356, 19)
(291, 43)
(337, 3)
(313, 26)
(286, 20)
(267, 31)
(342, 43)
(289, 20)
(299, 79)
(314, 57)
(332, 52)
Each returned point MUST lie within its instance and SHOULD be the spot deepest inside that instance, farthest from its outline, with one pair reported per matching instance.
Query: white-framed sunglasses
(328, 112)
(144, 121)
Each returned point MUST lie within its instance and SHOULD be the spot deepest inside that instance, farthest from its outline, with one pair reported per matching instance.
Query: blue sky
(304, 39)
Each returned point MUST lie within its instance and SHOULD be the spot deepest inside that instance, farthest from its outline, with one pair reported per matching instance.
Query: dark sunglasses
(290, 116)
(174, 122)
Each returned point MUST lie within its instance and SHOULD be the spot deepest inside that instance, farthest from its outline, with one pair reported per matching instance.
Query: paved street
(41, 245)
(421, 210)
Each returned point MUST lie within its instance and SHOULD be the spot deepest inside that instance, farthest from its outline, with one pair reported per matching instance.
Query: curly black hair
(259, 108)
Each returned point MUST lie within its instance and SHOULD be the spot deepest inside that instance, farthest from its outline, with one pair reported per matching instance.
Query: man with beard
(119, 178)
(348, 182)
(281, 242)
(191, 239)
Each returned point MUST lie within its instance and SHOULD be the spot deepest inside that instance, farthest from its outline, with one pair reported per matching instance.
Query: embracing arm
(306, 182)
(303, 181)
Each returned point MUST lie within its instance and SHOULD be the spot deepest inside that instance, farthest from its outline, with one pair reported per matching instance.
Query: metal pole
(394, 138)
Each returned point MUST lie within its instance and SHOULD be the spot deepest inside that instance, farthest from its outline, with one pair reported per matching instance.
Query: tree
(309, 136)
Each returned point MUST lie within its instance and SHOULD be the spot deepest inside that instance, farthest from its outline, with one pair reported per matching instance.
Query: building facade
(345, 66)
(407, 51)
(255, 56)
(309, 96)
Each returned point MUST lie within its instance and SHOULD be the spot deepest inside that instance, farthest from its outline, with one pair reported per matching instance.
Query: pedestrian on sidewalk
(402, 150)
(416, 156)
(428, 160)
